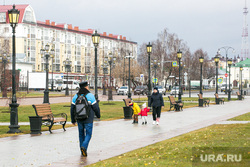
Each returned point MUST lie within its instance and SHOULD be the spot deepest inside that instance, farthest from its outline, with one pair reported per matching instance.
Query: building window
(38, 67)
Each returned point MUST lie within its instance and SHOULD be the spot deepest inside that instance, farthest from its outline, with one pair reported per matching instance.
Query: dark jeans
(85, 133)
(156, 112)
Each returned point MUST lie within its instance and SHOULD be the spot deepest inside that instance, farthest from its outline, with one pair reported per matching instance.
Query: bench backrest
(42, 110)
(127, 101)
(216, 95)
(238, 93)
(200, 96)
(171, 99)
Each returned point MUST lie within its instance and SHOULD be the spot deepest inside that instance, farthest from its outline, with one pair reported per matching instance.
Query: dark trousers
(156, 112)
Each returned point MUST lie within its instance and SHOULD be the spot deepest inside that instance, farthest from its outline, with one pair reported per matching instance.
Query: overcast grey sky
(206, 24)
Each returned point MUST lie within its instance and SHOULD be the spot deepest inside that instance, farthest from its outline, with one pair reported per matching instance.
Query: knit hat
(83, 84)
(155, 88)
(144, 105)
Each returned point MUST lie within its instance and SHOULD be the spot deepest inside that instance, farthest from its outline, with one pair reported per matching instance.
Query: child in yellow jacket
(136, 110)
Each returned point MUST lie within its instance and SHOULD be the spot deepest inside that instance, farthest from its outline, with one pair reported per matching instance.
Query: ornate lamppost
(179, 55)
(5, 58)
(155, 64)
(52, 61)
(67, 64)
(149, 51)
(216, 60)
(229, 62)
(13, 20)
(201, 59)
(226, 48)
(241, 91)
(111, 60)
(46, 54)
(104, 66)
(129, 82)
(96, 41)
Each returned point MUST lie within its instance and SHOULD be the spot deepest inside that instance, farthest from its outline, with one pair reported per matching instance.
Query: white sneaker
(153, 122)
(157, 123)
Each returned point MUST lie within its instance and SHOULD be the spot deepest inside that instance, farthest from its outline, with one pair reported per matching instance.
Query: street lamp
(111, 60)
(13, 20)
(149, 50)
(155, 64)
(229, 62)
(201, 59)
(179, 55)
(96, 41)
(5, 58)
(226, 48)
(129, 82)
(52, 57)
(104, 66)
(46, 54)
(241, 91)
(67, 63)
(216, 60)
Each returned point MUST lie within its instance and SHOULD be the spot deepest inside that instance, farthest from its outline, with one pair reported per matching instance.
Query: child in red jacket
(144, 113)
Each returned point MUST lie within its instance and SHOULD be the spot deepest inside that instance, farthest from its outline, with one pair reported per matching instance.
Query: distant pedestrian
(136, 110)
(144, 113)
(157, 103)
(85, 125)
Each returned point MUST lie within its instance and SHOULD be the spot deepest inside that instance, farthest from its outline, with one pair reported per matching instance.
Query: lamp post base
(200, 102)
(110, 97)
(149, 98)
(104, 91)
(46, 96)
(67, 91)
(14, 127)
(129, 95)
(229, 96)
(4, 93)
(217, 101)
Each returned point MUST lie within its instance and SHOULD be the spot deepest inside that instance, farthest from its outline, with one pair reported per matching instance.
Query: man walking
(85, 126)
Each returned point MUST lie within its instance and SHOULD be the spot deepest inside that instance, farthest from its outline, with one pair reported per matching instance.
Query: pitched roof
(245, 63)
(21, 8)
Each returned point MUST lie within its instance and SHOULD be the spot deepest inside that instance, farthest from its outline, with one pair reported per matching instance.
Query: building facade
(68, 42)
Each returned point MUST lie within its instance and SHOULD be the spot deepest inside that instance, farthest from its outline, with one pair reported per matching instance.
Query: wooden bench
(205, 101)
(177, 105)
(239, 96)
(48, 118)
(221, 100)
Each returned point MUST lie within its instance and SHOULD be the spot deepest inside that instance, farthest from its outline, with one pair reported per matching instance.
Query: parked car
(223, 87)
(174, 90)
(123, 90)
(161, 89)
(206, 87)
(140, 90)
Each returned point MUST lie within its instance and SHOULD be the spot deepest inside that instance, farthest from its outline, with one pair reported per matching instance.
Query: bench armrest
(64, 115)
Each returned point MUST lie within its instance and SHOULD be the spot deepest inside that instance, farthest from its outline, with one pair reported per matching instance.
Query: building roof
(62, 26)
(245, 63)
(21, 8)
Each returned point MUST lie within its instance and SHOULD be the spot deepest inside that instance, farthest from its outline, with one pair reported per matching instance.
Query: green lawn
(178, 150)
(191, 99)
(244, 117)
(34, 94)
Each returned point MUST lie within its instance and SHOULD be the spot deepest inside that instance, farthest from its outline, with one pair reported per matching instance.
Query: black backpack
(82, 108)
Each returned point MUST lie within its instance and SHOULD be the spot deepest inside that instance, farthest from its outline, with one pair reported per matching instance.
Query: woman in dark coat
(157, 103)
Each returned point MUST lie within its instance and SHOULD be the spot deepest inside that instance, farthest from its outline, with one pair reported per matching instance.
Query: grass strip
(177, 151)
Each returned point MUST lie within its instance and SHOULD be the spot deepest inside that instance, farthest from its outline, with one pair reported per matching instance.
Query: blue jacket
(94, 108)
(156, 100)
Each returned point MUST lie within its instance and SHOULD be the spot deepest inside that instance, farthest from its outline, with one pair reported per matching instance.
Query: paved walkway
(110, 138)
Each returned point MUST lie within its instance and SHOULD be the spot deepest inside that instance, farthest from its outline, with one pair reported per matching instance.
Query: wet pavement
(110, 138)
